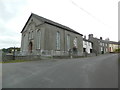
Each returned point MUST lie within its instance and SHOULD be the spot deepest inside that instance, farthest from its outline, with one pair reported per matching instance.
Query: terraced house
(87, 46)
(113, 46)
(41, 36)
(100, 46)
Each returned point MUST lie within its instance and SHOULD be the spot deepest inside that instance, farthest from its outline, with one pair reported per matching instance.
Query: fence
(47, 53)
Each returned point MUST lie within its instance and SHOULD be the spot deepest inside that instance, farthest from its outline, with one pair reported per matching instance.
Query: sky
(97, 17)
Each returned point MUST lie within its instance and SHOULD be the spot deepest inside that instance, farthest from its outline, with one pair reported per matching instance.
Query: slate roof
(50, 22)
(112, 42)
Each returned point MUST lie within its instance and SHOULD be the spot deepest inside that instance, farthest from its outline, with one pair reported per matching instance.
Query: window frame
(58, 45)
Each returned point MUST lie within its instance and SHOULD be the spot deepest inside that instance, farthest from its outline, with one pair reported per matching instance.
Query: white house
(87, 46)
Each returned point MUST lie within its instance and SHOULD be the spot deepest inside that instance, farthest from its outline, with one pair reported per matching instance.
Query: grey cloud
(8, 42)
(4, 31)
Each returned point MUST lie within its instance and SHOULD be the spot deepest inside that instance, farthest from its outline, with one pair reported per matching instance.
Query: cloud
(9, 22)
(8, 41)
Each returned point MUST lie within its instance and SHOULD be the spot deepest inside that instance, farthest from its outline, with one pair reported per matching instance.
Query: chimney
(107, 39)
(85, 37)
(101, 38)
(90, 36)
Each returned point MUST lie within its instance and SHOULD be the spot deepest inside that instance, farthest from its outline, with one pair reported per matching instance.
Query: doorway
(30, 47)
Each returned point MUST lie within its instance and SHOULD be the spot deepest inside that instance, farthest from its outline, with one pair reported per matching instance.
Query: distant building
(41, 36)
(103, 46)
(113, 46)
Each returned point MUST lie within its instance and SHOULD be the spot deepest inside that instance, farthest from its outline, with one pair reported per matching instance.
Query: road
(90, 72)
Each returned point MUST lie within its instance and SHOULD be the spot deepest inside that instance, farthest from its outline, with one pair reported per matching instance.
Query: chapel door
(30, 47)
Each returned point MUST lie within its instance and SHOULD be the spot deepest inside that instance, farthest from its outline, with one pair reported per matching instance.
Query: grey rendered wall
(33, 24)
(96, 48)
(50, 38)
(72, 37)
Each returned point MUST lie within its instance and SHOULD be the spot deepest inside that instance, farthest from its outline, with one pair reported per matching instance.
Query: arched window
(58, 40)
(68, 42)
(32, 35)
(29, 36)
(38, 39)
(75, 42)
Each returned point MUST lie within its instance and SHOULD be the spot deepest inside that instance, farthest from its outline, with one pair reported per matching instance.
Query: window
(58, 40)
(91, 50)
(68, 41)
(84, 49)
(103, 44)
(85, 43)
(106, 45)
(106, 50)
(29, 36)
(32, 35)
(38, 39)
(101, 49)
(89, 43)
(75, 42)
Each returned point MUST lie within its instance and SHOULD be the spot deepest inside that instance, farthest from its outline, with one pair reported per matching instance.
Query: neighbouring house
(113, 46)
(100, 46)
(87, 46)
(103, 46)
(41, 36)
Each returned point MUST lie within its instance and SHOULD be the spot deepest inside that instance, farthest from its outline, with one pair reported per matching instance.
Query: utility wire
(88, 13)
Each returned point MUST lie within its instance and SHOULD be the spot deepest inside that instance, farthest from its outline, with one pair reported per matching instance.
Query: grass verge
(16, 61)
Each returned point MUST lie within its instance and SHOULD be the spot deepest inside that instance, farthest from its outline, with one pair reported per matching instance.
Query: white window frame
(68, 41)
(38, 39)
(75, 42)
(58, 40)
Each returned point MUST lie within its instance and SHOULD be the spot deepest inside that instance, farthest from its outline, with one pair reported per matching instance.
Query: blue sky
(98, 17)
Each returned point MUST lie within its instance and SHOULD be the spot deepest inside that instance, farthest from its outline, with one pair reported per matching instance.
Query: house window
(85, 43)
(101, 49)
(38, 39)
(58, 40)
(106, 45)
(91, 51)
(103, 44)
(68, 42)
(30, 35)
(106, 50)
(84, 49)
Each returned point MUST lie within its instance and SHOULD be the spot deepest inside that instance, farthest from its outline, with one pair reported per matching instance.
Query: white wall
(87, 45)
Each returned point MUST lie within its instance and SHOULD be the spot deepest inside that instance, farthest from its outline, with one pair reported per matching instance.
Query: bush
(117, 50)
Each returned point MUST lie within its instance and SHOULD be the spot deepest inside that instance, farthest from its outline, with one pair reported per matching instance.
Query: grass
(15, 61)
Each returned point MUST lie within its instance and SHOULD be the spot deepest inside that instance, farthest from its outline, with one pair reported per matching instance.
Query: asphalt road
(91, 72)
